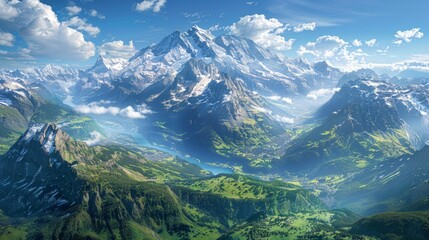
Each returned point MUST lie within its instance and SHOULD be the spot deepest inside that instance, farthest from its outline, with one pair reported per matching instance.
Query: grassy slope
(326, 151)
(234, 198)
(305, 225)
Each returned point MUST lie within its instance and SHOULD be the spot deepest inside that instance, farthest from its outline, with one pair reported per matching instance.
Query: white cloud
(82, 25)
(117, 49)
(44, 34)
(95, 13)
(371, 43)
(6, 39)
(284, 119)
(324, 92)
(195, 17)
(418, 62)
(305, 27)
(128, 112)
(215, 28)
(263, 110)
(398, 42)
(383, 51)
(96, 137)
(324, 47)
(278, 98)
(7, 11)
(333, 50)
(73, 10)
(22, 54)
(275, 116)
(407, 35)
(263, 31)
(154, 5)
(357, 43)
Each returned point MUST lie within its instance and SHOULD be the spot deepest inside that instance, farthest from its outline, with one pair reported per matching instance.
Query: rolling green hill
(234, 198)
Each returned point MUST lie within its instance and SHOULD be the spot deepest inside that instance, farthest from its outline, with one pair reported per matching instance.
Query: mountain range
(314, 150)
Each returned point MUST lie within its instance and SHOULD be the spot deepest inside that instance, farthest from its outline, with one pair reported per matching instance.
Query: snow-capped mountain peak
(106, 65)
(202, 34)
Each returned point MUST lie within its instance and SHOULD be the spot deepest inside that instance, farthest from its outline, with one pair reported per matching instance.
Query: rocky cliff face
(35, 179)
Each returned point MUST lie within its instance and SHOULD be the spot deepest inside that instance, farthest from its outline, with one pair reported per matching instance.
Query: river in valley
(124, 131)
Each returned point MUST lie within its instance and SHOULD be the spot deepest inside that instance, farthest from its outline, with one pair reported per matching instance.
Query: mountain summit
(30, 174)
(215, 92)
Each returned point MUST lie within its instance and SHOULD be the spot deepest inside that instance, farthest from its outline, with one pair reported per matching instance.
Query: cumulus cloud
(154, 5)
(284, 119)
(129, 112)
(357, 43)
(73, 10)
(263, 31)
(274, 116)
(263, 110)
(334, 50)
(44, 34)
(324, 92)
(371, 43)
(82, 25)
(278, 98)
(6, 39)
(305, 27)
(407, 35)
(324, 46)
(7, 11)
(117, 49)
(95, 13)
(96, 138)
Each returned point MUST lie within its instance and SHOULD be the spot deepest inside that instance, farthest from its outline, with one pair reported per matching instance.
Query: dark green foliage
(234, 198)
(404, 225)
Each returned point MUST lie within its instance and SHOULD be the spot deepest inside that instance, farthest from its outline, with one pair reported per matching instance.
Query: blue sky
(366, 33)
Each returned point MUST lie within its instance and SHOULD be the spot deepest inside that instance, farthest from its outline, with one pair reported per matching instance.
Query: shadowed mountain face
(404, 225)
(31, 170)
(399, 183)
(366, 121)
